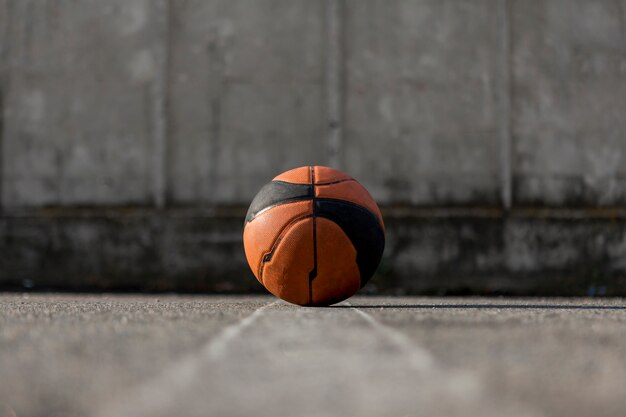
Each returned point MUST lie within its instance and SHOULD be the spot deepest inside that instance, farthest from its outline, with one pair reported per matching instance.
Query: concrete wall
(200, 102)
(246, 95)
(422, 100)
(111, 106)
(569, 102)
(78, 122)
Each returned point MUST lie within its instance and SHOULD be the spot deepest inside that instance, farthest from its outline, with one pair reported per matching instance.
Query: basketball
(313, 236)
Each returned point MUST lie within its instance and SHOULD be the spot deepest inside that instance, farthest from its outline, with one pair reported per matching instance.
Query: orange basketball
(313, 236)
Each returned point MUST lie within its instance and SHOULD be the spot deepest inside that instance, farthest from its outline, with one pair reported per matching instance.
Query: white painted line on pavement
(419, 358)
(155, 394)
(460, 384)
(218, 346)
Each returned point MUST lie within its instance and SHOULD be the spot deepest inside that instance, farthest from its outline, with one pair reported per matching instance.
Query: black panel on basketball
(278, 192)
(362, 228)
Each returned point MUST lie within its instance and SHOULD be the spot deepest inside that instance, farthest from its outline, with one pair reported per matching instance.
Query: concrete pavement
(127, 355)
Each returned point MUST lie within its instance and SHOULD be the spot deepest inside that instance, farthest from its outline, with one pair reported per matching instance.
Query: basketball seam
(328, 182)
(338, 200)
(313, 273)
(331, 182)
(277, 242)
(280, 203)
(291, 183)
(311, 196)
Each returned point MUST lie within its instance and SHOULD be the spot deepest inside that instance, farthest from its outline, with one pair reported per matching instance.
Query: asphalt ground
(125, 355)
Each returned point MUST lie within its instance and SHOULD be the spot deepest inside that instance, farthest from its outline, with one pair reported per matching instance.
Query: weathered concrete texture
(3, 84)
(78, 117)
(129, 103)
(199, 102)
(569, 106)
(521, 254)
(432, 253)
(128, 250)
(246, 95)
(132, 339)
(63, 355)
(421, 100)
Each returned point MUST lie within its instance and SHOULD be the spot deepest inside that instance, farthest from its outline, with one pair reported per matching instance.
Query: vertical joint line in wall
(622, 8)
(1, 139)
(504, 102)
(4, 71)
(217, 85)
(334, 80)
(159, 104)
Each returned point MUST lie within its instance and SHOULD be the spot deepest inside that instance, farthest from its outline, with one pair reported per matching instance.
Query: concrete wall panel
(103, 101)
(246, 102)
(569, 102)
(421, 100)
(4, 46)
(77, 105)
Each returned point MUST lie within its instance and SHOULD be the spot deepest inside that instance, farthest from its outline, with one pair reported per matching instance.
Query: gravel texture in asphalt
(69, 355)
